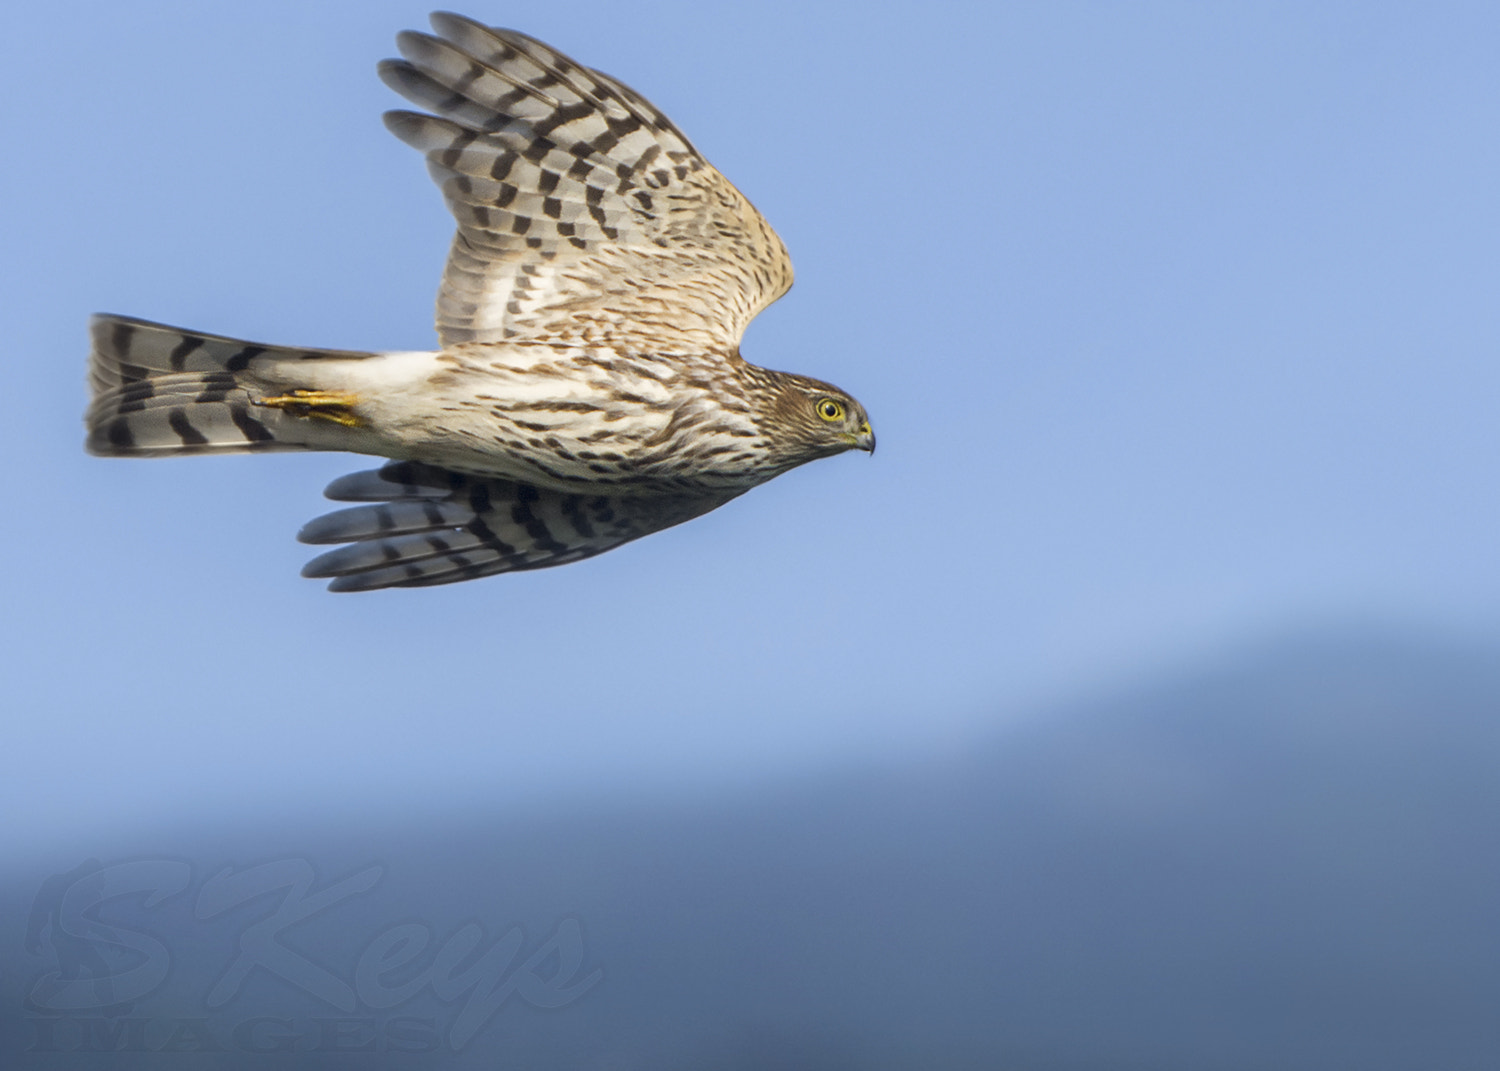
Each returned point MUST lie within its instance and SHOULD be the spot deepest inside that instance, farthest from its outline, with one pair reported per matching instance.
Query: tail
(160, 390)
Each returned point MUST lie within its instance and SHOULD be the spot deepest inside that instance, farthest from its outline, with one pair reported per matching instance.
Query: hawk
(589, 388)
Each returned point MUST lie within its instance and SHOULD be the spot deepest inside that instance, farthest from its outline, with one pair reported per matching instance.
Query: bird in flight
(589, 388)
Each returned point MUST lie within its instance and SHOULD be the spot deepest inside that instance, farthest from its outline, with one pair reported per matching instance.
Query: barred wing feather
(584, 215)
(421, 525)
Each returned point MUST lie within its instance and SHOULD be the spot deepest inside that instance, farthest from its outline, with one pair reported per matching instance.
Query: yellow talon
(334, 405)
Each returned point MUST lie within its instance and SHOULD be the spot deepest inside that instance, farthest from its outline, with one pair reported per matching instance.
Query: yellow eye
(830, 410)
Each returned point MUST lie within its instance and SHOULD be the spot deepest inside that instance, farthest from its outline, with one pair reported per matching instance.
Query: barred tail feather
(160, 390)
(425, 526)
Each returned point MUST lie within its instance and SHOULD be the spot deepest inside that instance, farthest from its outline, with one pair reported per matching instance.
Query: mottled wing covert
(584, 216)
(422, 525)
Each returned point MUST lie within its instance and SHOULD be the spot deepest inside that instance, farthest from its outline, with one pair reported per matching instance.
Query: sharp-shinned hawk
(589, 388)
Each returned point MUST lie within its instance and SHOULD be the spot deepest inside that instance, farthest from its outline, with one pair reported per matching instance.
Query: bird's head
(819, 420)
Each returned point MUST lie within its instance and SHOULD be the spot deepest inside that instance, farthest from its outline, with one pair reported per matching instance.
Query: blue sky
(1176, 323)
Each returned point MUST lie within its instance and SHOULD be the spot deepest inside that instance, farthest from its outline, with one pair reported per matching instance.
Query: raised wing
(584, 215)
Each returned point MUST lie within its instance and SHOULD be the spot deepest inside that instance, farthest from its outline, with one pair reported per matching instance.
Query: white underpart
(476, 412)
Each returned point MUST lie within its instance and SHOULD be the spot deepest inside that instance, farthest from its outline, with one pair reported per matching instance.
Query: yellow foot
(334, 405)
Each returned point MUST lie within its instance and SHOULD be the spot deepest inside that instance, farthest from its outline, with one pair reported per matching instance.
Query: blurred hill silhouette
(1289, 860)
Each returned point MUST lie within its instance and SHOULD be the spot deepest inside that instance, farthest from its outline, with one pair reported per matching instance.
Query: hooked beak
(865, 440)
